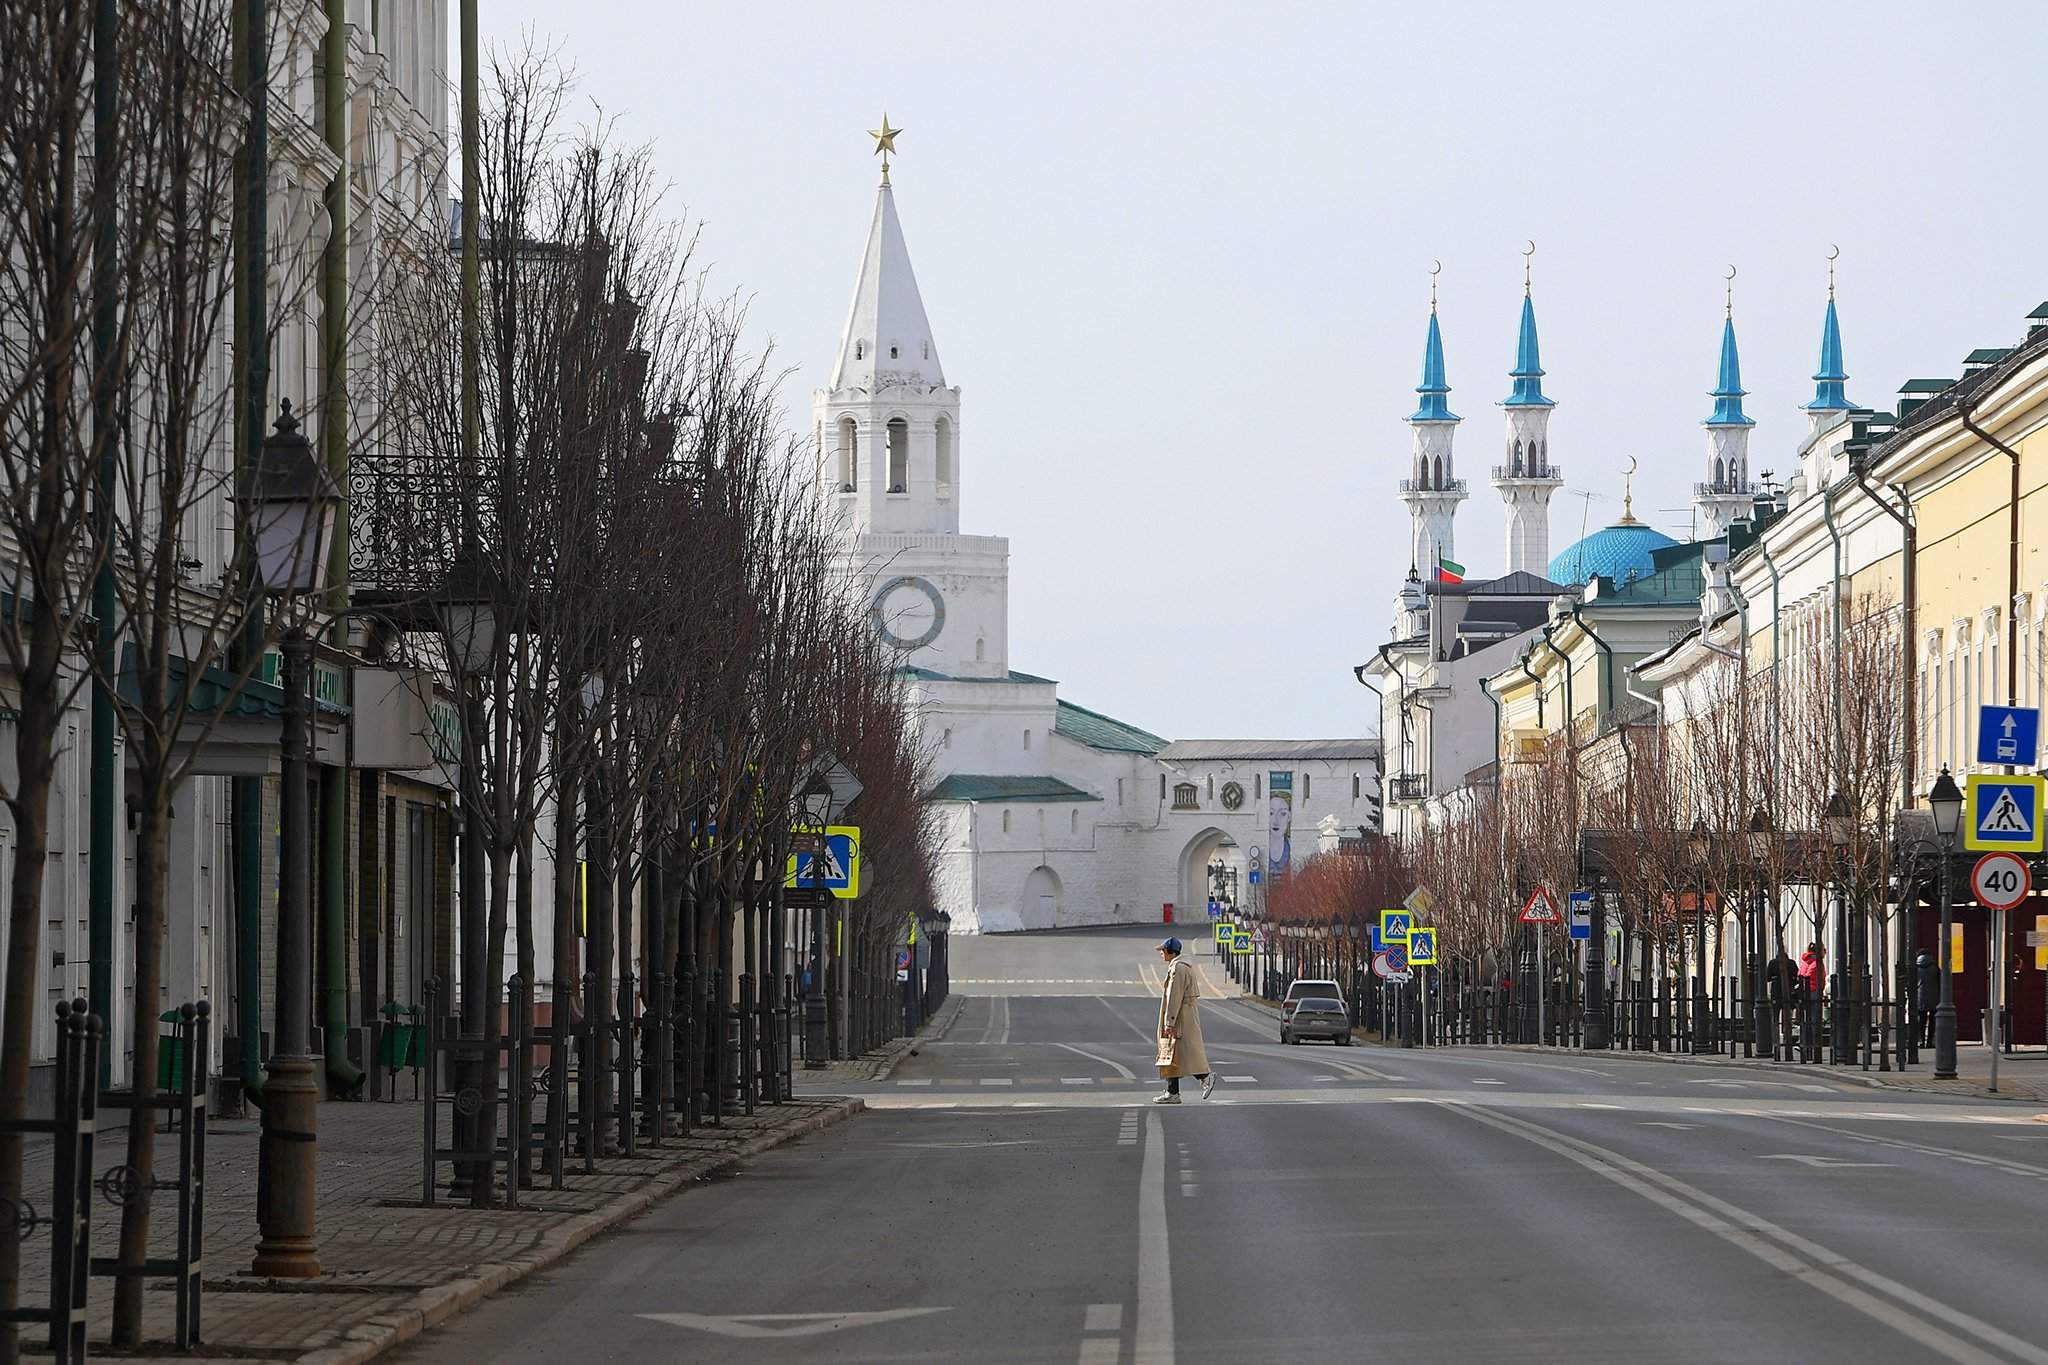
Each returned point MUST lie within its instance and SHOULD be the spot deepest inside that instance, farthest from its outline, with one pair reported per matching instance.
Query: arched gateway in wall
(1044, 899)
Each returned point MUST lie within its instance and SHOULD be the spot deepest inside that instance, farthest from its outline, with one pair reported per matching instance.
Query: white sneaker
(1166, 1097)
(1208, 1085)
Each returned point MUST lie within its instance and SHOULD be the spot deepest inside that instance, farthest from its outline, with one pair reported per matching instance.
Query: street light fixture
(1946, 802)
(1701, 843)
(816, 800)
(1766, 1031)
(291, 504)
(1838, 820)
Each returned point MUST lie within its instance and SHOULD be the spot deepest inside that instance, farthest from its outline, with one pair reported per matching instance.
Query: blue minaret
(1728, 391)
(1432, 489)
(1528, 371)
(1433, 388)
(1828, 393)
(1726, 493)
(1526, 478)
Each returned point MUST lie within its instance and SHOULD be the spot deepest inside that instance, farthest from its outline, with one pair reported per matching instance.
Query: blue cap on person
(1170, 944)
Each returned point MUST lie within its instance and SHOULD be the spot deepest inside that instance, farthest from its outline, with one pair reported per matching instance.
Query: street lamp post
(1701, 843)
(292, 503)
(817, 805)
(1759, 858)
(1838, 817)
(468, 620)
(1596, 1036)
(1946, 801)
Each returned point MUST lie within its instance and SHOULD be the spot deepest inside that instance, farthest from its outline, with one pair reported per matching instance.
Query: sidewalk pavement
(2022, 1074)
(878, 1064)
(392, 1267)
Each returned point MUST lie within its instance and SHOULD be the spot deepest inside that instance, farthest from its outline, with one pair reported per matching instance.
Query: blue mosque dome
(1619, 552)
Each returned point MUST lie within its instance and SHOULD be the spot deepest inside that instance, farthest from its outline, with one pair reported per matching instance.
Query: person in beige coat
(1180, 1024)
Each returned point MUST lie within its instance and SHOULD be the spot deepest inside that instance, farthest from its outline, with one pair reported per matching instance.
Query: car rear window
(1317, 1003)
(1325, 989)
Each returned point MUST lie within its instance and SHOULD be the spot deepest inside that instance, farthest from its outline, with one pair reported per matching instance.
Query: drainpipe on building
(2012, 571)
(1523, 664)
(1606, 656)
(1496, 729)
(1827, 516)
(1777, 619)
(106, 417)
(1908, 646)
(252, 351)
(343, 1076)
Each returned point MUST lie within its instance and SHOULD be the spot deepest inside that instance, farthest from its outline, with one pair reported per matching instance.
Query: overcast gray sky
(1176, 257)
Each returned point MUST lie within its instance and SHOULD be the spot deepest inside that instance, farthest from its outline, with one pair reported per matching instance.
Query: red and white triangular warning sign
(1541, 907)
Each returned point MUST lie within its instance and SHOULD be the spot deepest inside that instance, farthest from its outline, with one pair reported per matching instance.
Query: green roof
(929, 675)
(1098, 731)
(1987, 355)
(970, 787)
(1927, 386)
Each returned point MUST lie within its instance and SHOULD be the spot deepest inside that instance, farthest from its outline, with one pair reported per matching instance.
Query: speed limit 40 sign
(2000, 881)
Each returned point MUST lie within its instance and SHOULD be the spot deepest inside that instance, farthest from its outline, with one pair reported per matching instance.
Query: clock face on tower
(907, 612)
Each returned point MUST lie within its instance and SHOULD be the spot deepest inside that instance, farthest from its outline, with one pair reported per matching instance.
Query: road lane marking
(925, 1081)
(1240, 1080)
(1118, 1067)
(995, 1080)
(1487, 1080)
(1824, 1163)
(1150, 1040)
(1826, 1270)
(1154, 1343)
(1077, 1080)
(1104, 1317)
(785, 1324)
(2006, 1164)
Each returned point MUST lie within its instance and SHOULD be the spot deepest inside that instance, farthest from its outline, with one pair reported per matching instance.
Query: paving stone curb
(431, 1307)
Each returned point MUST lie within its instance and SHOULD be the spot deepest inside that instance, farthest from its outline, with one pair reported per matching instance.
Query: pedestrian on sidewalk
(1180, 1028)
(1813, 977)
(1926, 994)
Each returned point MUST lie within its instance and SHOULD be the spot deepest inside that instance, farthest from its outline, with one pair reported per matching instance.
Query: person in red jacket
(1813, 975)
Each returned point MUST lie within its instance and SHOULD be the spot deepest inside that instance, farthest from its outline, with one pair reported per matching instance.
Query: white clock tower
(888, 434)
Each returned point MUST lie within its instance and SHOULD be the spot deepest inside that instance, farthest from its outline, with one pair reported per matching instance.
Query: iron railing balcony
(1408, 786)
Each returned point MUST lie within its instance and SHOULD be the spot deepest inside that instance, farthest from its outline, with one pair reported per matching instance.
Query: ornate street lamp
(1759, 860)
(816, 802)
(1701, 843)
(1946, 801)
(290, 503)
(1838, 819)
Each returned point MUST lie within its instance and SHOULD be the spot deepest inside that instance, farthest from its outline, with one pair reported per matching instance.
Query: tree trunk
(152, 870)
(35, 761)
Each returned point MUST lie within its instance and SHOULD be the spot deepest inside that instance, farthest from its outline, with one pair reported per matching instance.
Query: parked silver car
(1317, 1016)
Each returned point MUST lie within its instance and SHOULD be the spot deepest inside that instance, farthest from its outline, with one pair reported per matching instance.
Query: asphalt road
(1014, 1196)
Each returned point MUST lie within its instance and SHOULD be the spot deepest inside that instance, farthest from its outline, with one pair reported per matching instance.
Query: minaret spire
(1528, 479)
(1726, 493)
(1829, 393)
(1433, 489)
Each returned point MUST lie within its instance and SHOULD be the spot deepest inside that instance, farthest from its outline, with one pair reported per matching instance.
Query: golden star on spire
(885, 143)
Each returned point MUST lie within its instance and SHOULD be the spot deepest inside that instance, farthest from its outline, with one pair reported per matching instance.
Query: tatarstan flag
(1449, 570)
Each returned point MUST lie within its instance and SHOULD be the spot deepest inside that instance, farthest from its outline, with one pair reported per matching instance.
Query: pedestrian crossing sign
(1394, 925)
(2003, 813)
(1422, 946)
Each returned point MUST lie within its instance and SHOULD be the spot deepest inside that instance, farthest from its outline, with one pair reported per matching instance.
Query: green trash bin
(399, 1047)
(170, 1057)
